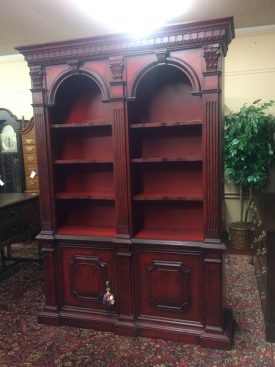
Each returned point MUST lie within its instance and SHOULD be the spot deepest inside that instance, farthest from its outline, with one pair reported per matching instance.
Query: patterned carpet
(24, 343)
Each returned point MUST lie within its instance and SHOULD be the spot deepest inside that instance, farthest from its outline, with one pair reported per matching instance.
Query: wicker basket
(241, 235)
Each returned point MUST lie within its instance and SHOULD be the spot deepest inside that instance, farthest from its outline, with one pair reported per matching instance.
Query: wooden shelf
(175, 235)
(81, 124)
(86, 195)
(87, 231)
(82, 161)
(166, 159)
(167, 196)
(165, 124)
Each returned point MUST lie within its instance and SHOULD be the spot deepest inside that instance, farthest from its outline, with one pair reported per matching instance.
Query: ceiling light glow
(138, 18)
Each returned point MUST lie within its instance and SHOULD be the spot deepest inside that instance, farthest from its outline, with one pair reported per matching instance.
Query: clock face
(8, 139)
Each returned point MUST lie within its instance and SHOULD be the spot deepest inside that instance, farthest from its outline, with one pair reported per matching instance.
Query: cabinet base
(270, 332)
(49, 316)
(222, 340)
(191, 334)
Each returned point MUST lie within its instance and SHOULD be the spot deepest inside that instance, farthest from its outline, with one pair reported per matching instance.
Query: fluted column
(213, 170)
(45, 238)
(125, 323)
(41, 130)
(120, 143)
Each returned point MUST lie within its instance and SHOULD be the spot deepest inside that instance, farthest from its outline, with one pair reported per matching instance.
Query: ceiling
(25, 22)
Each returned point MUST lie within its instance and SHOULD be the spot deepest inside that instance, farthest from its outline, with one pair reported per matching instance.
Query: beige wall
(249, 75)
(15, 84)
(250, 68)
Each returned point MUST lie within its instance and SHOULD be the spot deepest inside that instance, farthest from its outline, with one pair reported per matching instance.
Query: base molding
(220, 340)
(125, 328)
(188, 333)
(270, 332)
(49, 316)
(193, 334)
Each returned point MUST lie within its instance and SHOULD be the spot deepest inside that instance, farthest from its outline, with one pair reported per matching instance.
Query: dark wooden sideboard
(264, 257)
(19, 221)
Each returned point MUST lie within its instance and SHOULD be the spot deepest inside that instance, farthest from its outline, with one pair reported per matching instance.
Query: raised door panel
(85, 273)
(169, 285)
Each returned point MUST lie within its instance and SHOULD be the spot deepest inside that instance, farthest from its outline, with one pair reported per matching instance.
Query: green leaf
(248, 144)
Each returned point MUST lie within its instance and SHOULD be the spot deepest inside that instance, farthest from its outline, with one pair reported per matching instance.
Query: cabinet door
(169, 285)
(85, 272)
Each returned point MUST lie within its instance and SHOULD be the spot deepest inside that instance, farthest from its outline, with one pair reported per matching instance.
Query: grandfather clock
(11, 155)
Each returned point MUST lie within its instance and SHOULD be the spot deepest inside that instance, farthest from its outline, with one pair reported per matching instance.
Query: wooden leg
(3, 257)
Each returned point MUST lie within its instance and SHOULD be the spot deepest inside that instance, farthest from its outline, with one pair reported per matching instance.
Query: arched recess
(165, 91)
(174, 62)
(79, 95)
(91, 74)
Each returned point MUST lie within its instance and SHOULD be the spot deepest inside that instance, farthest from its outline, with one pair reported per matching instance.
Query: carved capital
(116, 66)
(161, 56)
(211, 55)
(36, 74)
(74, 64)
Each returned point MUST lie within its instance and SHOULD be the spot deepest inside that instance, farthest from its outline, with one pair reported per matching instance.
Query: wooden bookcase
(129, 136)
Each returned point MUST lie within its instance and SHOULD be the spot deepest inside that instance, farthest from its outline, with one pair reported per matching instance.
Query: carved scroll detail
(36, 74)
(211, 54)
(116, 66)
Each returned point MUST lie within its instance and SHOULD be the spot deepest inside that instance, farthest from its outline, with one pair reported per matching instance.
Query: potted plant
(248, 150)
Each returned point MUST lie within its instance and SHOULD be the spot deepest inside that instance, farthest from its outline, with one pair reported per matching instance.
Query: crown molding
(250, 31)
(11, 58)
(171, 37)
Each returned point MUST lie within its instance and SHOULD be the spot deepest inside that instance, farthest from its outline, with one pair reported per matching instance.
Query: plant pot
(241, 235)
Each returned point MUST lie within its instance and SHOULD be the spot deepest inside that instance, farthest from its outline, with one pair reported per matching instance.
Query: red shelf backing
(90, 213)
(87, 105)
(185, 235)
(169, 179)
(171, 216)
(85, 179)
(87, 231)
(83, 144)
